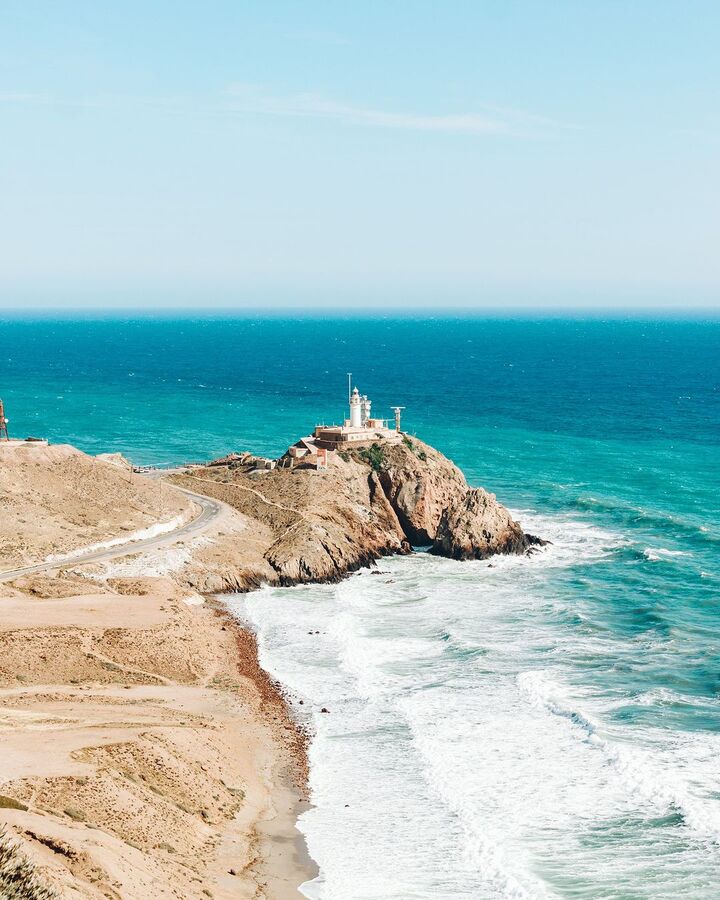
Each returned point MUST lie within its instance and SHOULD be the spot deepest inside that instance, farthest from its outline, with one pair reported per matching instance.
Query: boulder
(478, 527)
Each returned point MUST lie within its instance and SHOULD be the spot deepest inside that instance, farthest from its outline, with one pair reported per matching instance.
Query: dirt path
(210, 510)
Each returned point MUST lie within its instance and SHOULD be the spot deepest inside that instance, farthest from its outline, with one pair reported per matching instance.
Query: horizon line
(308, 312)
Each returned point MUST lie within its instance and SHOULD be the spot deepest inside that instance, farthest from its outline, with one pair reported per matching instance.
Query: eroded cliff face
(300, 525)
(477, 527)
(420, 484)
(306, 526)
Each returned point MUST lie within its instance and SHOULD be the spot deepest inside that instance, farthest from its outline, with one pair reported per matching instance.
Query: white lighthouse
(356, 409)
(359, 430)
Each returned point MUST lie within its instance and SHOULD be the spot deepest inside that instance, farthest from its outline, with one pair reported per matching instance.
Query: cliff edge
(309, 525)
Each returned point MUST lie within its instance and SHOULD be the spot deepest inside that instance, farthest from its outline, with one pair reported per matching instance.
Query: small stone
(324, 710)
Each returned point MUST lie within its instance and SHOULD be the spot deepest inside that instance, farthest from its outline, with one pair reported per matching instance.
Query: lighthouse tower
(356, 405)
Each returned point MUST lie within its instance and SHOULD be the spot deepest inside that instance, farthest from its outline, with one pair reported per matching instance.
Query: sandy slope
(144, 753)
(152, 755)
(56, 499)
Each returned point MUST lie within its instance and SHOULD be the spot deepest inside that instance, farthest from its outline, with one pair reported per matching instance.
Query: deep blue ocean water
(540, 727)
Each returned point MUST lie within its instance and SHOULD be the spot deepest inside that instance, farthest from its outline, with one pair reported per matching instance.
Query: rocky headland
(307, 525)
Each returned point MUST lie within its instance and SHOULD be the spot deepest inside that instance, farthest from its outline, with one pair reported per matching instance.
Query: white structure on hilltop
(360, 411)
(360, 429)
(356, 404)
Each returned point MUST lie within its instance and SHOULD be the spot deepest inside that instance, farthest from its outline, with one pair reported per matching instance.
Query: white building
(358, 430)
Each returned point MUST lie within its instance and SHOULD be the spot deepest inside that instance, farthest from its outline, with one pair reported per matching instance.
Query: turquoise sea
(542, 727)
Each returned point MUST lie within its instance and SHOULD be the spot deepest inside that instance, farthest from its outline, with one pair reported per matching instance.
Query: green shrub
(77, 815)
(167, 847)
(421, 454)
(374, 456)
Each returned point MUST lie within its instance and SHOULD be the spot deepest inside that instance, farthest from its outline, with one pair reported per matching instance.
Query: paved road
(210, 510)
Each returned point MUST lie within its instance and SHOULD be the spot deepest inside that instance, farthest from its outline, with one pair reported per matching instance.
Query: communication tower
(3, 424)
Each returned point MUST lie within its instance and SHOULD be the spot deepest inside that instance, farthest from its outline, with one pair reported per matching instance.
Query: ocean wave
(668, 697)
(662, 553)
(571, 540)
(633, 514)
(652, 773)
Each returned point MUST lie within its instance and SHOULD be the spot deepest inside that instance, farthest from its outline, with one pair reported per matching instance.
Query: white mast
(365, 409)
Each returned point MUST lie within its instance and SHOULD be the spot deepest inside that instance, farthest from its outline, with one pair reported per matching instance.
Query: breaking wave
(473, 729)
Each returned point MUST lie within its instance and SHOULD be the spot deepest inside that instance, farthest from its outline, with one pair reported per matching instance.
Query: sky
(471, 153)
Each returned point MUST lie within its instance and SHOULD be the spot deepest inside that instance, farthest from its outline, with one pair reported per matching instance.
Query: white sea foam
(458, 760)
(660, 553)
(656, 773)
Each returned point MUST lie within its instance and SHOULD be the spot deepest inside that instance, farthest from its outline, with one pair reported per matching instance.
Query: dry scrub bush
(18, 879)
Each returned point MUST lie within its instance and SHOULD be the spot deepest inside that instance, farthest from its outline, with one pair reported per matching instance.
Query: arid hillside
(145, 754)
(54, 500)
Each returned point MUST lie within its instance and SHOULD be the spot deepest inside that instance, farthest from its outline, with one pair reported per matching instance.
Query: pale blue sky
(486, 153)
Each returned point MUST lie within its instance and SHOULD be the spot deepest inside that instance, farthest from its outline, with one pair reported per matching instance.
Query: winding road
(210, 510)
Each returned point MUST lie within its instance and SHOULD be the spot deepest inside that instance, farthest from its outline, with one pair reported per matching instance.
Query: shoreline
(176, 767)
(209, 791)
(284, 862)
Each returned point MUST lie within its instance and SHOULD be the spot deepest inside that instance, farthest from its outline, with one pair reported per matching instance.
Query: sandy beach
(145, 753)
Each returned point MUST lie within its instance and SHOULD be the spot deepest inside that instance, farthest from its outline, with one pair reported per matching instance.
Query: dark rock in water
(535, 542)
(479, 527)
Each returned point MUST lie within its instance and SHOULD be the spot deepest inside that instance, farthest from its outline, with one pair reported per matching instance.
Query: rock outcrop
(420, 484)
(478, 527)
(307, 526)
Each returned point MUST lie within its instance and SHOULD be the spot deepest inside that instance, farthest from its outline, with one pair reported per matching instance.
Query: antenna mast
(349, 375)
(397, 410)
(3, 424)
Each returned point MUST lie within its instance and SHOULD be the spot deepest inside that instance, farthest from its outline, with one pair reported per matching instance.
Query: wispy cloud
(102, 101)
(250, 99)
(25, 98)
(245, 98)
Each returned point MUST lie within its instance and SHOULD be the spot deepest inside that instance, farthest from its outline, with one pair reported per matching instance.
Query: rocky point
(306, 525)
